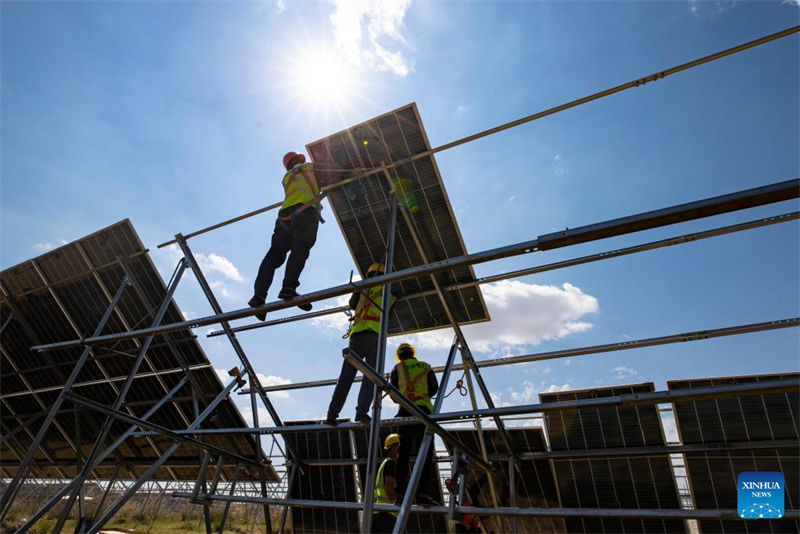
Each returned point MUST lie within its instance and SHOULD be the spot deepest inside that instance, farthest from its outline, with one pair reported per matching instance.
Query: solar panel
(418, 523)
(323, 483)
(65, 292)
(712, 475)
(612, 482)
(362, 211)
(534, 484)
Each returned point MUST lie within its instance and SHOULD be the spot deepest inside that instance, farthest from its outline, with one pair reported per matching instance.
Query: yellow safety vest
(412, 377)
(367, 315)
(381, 497)
(300, 186)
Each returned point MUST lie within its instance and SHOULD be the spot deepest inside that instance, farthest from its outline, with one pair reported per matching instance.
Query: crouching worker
(365, 325)
(416, 380)
(386, 487)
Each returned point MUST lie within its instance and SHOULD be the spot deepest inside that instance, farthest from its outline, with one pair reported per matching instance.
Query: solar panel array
(418, 523)
(612, 482)
(322, 482)
(62, 295)
(713, 475)
(534, 484)
(362, 210)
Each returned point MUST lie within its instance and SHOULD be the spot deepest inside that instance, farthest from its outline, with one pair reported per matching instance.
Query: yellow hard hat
(391, 439)
(402, 348)
(375, 267)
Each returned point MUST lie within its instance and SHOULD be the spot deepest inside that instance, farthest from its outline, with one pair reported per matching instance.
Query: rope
(459, 386)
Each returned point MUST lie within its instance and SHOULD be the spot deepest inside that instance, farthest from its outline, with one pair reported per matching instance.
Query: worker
(295, 230)
(363, 335)
(416, 380)
(386, 487)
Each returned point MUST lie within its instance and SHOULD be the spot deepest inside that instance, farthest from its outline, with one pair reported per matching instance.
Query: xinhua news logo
(760, 494)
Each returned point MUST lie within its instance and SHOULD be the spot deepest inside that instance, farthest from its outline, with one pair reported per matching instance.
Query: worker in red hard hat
(295, 230)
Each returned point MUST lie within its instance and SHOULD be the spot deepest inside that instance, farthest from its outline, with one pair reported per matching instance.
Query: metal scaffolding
(215, 458)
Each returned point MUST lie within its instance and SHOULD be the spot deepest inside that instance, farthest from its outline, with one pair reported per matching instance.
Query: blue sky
(176, 115)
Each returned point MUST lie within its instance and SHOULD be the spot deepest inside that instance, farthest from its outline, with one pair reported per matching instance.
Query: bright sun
(325, 81)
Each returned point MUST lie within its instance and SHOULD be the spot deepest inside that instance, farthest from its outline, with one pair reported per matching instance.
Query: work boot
(423, 499)
(288, 294)
(255, 302)
(363, 418)
(332, 421)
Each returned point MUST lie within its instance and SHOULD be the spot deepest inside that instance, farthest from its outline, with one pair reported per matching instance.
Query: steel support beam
(425, 447)
(430, 421)
(120, 502)
(507, 512)
(638, 82)
(697, 335)
(739, 200)
(224, 519)
(383, 334)
(285, 509)
(13, 487)
(102, 456)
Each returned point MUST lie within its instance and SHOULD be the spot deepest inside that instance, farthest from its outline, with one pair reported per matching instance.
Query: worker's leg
(366, 346)
(346, 376)
(383, 523)
(304, 235)
(276, 255)
(406, 434)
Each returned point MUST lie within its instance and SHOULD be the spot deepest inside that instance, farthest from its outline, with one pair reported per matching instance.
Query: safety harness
(287, 221)
(407, 384)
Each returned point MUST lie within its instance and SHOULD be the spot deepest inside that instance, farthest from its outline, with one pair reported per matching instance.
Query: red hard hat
(290, 156)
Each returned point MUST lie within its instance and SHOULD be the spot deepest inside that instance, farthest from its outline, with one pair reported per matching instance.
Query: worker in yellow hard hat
(363, 335)
(386, 486)
(415, 379)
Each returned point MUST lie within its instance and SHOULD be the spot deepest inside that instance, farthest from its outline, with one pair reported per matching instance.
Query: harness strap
(313, 202)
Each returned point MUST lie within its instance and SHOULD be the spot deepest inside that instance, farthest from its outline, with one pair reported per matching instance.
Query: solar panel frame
(65, 292)
(712, 475)
(362, 213)
(323, 482)
(628, 482)
(535, 485)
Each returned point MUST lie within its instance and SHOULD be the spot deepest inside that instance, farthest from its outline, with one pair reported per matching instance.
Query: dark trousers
(410, 435)
(365, 344)
(297, 244)
(383, 522)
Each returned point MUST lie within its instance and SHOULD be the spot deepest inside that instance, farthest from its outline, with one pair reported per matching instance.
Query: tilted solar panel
(534, 484)
(63, 294)
(612, 482)
(362, 211)
(713, 475)
(418, 523)
(323, 483)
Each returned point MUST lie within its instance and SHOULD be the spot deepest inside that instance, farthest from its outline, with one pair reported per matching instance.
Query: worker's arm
(433, 384)
(354, 300)
(393, 378)
(391, 487)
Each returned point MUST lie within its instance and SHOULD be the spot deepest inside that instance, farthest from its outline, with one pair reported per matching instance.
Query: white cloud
(522, 314)
(336, 322)
(363, 28)
(272, 380)
(221, 288)
(529, 394)
(624, 372)
(220, 264)
(280, 6)
(670, 429)
(511, 198)
(44, 247)
(263, 417)
(460, 109)
(557, 157)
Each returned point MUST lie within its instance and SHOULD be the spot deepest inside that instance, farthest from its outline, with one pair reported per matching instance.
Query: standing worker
(363, 334)
(295, 231)
(415, 379)
(386, 487)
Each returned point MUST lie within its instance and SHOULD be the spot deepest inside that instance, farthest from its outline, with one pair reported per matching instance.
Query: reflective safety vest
(381, 497)
(367, 315)
(300, 187)
(412, 377)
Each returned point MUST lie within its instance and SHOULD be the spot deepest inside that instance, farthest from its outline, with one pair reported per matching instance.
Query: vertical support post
(227, 508)
(201, 475)
(375, 424)
(119, 503)
(512, 499)
(106, 492)
(6, 323)
(13, 487)
(123, 392)
(425, 447)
